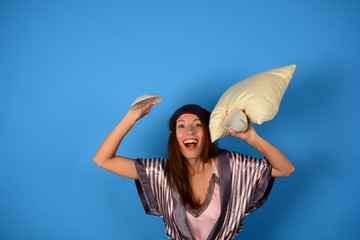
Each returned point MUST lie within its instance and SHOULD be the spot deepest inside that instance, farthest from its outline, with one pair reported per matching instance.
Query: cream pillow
(259, 95)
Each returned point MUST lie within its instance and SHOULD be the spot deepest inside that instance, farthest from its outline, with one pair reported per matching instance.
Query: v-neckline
(179, 208)
(210, 191)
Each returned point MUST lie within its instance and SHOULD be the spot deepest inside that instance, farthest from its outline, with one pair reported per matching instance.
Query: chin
(191, 155)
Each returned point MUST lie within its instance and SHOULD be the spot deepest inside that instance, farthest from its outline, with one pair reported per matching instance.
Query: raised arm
(281, 165)
(105, 156)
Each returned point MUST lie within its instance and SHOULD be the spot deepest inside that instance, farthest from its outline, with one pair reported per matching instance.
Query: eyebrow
(197, 119)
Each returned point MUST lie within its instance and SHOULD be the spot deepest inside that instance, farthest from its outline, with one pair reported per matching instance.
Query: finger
(151, 104)
(147, 108)
(232, 131)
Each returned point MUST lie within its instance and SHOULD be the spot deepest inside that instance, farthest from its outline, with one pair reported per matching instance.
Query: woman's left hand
(248, 135)
(281, 165)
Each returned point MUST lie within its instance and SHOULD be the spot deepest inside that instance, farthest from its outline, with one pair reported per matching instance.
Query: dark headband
(193, 109)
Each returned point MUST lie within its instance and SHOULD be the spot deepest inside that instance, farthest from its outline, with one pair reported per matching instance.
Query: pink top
(202, 220)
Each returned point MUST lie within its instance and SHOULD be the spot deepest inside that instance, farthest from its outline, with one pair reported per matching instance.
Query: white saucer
(145, 99)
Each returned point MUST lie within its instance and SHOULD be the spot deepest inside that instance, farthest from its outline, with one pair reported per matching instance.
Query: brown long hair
(177, 167)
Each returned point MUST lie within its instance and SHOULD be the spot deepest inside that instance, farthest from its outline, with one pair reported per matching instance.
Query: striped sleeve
(150, 184)
(255, 178)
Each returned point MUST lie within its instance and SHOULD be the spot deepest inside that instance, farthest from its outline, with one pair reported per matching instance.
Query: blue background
(69, 71)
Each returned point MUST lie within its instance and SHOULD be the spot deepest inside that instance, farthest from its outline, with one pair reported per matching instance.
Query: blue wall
(69, 71)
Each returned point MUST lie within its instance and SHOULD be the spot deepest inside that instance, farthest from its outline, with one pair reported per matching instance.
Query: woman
(199, 191)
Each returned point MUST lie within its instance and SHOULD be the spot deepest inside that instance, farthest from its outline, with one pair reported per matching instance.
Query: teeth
(190, 141)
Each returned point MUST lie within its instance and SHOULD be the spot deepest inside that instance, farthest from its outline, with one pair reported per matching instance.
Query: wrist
(130, 117)
(254, 140)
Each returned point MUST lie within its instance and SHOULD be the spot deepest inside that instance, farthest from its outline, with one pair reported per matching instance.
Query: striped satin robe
(245, 184)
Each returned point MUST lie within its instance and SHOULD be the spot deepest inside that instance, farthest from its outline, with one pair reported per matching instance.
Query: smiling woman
(189, 150)
(201, 192)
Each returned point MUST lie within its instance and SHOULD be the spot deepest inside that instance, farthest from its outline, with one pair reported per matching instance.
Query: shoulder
(153, 160)
(153, 163)
(230, 154)
(239, 160)
(238, 156)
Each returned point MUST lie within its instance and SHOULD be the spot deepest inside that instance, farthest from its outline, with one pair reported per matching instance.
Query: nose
(190, 130)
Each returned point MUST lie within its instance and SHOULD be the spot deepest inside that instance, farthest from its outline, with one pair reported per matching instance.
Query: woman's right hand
(141, 112)
(105, 156)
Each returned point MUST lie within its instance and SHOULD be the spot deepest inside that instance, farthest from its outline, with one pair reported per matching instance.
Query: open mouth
(190, 143)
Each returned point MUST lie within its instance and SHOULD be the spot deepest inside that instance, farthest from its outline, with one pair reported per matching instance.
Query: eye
(198, 125)
(180, 126)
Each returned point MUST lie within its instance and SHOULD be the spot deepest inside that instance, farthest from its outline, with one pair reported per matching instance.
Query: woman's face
(189, 134)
